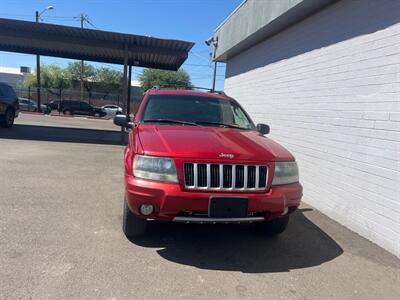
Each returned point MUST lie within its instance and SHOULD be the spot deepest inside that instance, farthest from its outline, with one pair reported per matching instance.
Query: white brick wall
(330, 89)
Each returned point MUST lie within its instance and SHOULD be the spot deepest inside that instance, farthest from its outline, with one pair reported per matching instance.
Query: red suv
(198, 157)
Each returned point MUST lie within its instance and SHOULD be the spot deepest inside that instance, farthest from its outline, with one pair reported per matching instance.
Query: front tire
(132, 225)
(273, 227)
(67, 112)
(9, 117)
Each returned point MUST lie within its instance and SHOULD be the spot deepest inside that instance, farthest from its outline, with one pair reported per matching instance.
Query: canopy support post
(125, 76)
(125, 87)
(38, 84)
(128, 99)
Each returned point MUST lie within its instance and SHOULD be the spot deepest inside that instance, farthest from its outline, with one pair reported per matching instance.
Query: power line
(59, 17)
(200, 65)
(90, 23)
(201, 56)
(47, 17)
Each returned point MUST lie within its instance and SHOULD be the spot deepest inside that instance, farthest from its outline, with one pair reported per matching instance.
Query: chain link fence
(95, 98)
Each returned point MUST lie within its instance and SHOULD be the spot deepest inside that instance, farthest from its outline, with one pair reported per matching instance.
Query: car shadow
(63, 134)
(240, 248)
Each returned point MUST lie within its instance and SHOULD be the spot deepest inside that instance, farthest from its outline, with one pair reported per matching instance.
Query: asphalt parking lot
(61, 193)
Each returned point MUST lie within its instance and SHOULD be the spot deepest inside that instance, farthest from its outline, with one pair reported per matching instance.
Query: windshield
(194, 110)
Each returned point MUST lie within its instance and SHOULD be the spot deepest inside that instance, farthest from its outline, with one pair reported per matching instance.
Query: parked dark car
(73, 107)
(9, 107)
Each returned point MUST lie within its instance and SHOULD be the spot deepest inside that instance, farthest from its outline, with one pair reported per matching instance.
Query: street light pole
(38, 70)
(37, 18)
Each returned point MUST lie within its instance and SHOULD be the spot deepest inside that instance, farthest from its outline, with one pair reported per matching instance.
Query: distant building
(13, 76)
(325, 75)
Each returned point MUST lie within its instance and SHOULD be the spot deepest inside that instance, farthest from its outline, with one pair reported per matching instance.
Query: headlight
(155, 168)
(285, 173)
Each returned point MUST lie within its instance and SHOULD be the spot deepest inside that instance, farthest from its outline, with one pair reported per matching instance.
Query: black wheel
(97, 115)
(8, 120)
(132, 225)
(67, 112)
(273, 227)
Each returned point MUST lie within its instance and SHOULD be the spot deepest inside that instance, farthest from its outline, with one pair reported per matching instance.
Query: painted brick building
(325, 75)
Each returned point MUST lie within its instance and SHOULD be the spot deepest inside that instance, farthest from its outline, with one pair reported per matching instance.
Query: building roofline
(263, 19)
(230, 15)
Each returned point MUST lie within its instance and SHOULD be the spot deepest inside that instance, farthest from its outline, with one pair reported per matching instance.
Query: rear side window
(73, 104)
(84, 105)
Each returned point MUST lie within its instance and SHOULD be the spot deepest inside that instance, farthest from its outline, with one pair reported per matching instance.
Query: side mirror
(263, 128)
(121, 120)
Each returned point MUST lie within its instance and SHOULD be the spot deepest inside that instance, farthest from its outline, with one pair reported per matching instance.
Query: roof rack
(156, 87)
(208, 89)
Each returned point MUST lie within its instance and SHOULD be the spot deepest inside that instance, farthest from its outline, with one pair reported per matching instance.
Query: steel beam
(128, 99)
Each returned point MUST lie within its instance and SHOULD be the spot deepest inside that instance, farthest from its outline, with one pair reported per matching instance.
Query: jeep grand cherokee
(198, 157)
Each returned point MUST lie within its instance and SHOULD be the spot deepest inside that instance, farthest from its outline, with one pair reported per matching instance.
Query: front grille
(229, 177)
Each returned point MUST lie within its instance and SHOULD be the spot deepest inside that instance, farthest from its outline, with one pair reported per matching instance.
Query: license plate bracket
(228, 207)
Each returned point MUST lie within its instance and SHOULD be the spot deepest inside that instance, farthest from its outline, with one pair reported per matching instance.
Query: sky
(190, 20)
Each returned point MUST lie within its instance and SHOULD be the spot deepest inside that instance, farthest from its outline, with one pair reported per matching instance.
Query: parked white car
(31, 105)
(112, 110)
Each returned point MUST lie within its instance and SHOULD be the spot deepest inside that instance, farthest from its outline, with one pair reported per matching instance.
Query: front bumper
(169, 200)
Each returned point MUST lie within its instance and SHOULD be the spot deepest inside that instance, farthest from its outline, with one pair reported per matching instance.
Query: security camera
(210, 41)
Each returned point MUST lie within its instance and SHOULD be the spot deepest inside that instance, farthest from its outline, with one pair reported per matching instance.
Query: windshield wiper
(220, 124)
(170, 121)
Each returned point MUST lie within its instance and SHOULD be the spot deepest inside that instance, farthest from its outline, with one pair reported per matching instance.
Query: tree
(74, 71)
(101, 79)
(109, 80)
(51, 77)
(152, 77)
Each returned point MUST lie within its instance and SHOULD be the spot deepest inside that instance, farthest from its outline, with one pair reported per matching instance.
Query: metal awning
(92, 45)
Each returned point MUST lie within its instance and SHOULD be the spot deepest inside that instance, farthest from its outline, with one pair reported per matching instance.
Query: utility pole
(37, 19)
(214, 42)
(83, 19)
(214, 76)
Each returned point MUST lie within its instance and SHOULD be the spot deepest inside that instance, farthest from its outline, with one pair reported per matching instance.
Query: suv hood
(206, 142)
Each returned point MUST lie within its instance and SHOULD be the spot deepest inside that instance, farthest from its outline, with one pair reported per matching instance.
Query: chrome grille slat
(214, 176)
(195, 175)
(208, 170)
(257, 175)
(221, 176)
(233, 176)
(245, 177)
